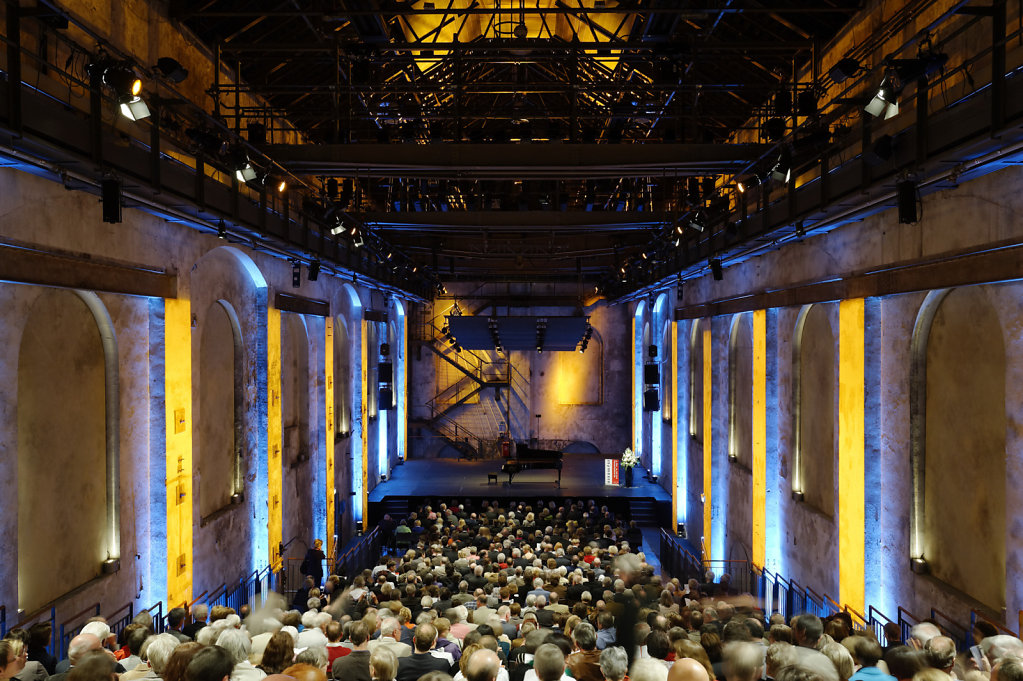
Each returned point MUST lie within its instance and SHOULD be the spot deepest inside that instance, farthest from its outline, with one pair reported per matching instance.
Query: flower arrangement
(629, 459)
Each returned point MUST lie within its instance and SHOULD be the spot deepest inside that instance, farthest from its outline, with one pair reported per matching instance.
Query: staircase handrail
(817, 601)
(198, 598)
(976, 615)
(830, 603)
(952, 629)
(159, 624)
(875, 617)
(905, 625)
(67, 633)
(859, 621)
(117, 624)
(459, 430)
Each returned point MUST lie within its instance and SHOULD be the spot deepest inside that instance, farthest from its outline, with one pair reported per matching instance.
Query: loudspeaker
(651, 374)
(651, 351)
(651, 402)
(385, 372)
(907, 201)
(111, 194)
(716, 271)
(386, 400)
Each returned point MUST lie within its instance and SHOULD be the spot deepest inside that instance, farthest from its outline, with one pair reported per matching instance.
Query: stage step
(644, 512)
(396, 507)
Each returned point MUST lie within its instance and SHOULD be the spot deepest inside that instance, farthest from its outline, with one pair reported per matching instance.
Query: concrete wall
(971, 453)
(55, 367)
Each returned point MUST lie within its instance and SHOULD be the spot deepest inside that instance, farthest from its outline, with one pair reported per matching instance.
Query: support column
(850, 453)
(178, 391)
(759, 423)
(708, 479)
(328, 375)
(274, 437)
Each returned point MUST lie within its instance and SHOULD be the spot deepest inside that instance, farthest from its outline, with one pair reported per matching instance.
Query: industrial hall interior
(741, 278)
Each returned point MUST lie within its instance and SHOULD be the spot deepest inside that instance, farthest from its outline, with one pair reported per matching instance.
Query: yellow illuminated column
(850, 453)
(364, 372)
(178, 395)
(275, 481)
(707, 441)
(759, 436)
(674, 424)
(328, 372)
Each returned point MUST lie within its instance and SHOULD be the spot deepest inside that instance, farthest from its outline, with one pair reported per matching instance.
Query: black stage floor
(582, 475)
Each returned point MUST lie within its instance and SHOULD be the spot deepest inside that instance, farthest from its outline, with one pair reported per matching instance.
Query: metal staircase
(473, 433)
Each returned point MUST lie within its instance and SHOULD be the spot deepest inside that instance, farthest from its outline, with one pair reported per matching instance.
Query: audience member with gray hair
(614, 663)
(744, 661)
(237, 644)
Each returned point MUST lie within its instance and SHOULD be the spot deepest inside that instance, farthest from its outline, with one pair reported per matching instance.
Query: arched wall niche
(740, 390)
(228, 298)
(958, 431)
(67, 392)
(815, 375)
(221, 390)
(342, 379)
(696, 379)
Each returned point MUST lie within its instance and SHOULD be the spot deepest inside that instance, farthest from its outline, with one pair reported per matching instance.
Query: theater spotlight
(698, 223)
(885, 103)
(338, 227)
(243, 168)
(782, 169)
(221, 230)
(127, 87)
(171, 69)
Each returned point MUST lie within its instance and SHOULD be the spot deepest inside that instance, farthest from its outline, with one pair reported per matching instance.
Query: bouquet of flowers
(628, 458)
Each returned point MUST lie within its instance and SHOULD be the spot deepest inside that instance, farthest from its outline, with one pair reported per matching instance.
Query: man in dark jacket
(424, 659)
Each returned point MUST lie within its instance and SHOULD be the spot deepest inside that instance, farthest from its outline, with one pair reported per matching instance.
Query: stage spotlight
(884, 104)
(338, 228)
(207, 141)
(122, 79)
(844, 70)
(314, 270)
(282, 186)
(135, 110)
(171, 69)
(221, 230)
(715, 269)
(782, 170)
(244, 171)
(698, 223)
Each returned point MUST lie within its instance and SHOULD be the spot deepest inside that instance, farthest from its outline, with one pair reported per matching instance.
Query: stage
(582, 475)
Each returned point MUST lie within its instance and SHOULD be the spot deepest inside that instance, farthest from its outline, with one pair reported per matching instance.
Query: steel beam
(515, 161)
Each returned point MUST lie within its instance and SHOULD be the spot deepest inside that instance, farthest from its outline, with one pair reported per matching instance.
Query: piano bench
(491, 478)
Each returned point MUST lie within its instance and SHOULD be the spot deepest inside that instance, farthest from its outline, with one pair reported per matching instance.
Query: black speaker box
(651, 402)
(651, 374)
(386, 400)
(385, 372)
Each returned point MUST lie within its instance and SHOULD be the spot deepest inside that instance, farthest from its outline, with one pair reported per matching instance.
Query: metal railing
(159, 620)
(72, 626)
(119, 621)
(906, 621)
(677, 560)
(976, 616)
(877, 620)
(952, 629)
(361, 556)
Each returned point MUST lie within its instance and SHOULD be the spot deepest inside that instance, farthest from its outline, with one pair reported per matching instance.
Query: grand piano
(529, 458)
